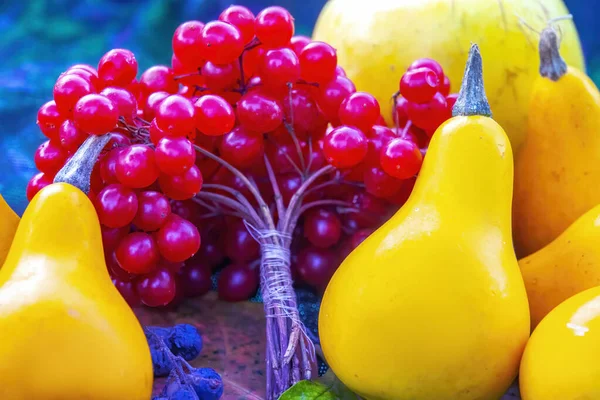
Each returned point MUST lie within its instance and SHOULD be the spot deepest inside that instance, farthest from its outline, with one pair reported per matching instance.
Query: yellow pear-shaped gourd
(557, 170)
(568, 265)
(432, 305)
(66, 332)
(9, 221)
(561, 358)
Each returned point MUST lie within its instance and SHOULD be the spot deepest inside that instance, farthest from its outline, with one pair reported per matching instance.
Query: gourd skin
(67, 332)
(568, 265)
(381, 38)
(8, 225)
(561, 358)
(557, 170)
(432, 305)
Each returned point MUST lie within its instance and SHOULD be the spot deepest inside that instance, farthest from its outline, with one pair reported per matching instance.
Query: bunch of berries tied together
(254, 141)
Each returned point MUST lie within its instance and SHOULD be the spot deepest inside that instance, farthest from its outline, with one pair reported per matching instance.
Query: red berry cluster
(239, 90)
(426, 101)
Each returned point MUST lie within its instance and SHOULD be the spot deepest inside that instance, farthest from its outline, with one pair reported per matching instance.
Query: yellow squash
(432, 305)
(568, 265)
(67, 334)
(376, 40)
(557, 172)
(561, 358)
(8, 225)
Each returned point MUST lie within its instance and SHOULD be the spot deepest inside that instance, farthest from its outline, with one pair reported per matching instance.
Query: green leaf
(308, 390)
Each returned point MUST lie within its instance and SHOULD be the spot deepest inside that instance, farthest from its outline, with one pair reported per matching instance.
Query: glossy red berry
(158, 78)
(379, 183)
(137, 253)
(181, 187)
(152, 104)
(95, 114)
(345, 146)
(214, 115)
(195, 279)
(68, 90)
(174, 155)
(116, 206)
(445, 86)
(259, 113)
(187, 43)
(118, 67)
(379, 137)
(108, 166)
(50, 157)
(221, 76)
(178, 239)
(419, 85)
(157, 288)
(401, 158)
(322, 228)
(221, 42)
(359, 236)
(89, 75)
(112, 265)
(241, 148)
(237, 282)
(279, 67)
(274, 26)
(317, 266)
(123, 100)
(300, 107)
(155, 133)
(332, 94)
(37, 183)
(242, 18)
(49, 120)
(111, 237)
(128, 291)
(240, 246)
(153, 210)
(317, 62)
(211, 253)
(136, 166)
(429, 115)
(360, 110)
(431, 64)
(298, 42)
(401, 111)
(175, 116)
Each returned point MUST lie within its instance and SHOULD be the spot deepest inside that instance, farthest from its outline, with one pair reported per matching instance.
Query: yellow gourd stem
(552, 65)
(471, 98)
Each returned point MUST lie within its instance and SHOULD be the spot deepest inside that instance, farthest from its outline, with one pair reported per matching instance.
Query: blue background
(41, 38)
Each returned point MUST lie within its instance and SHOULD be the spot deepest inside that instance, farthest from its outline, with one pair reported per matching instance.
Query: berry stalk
(290, 352)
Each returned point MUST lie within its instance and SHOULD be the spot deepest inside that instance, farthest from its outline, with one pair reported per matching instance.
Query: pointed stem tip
(552, 65)
(471, 98)
(78, 170)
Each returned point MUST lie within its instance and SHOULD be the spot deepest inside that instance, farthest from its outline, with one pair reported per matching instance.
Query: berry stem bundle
(290, 352)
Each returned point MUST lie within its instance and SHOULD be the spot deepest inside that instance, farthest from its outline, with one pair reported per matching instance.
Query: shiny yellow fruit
(561, 358)
(376, 40)
(8, 225)
(67, 334)
(557, 170)
(432, 305)
(567, 266)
